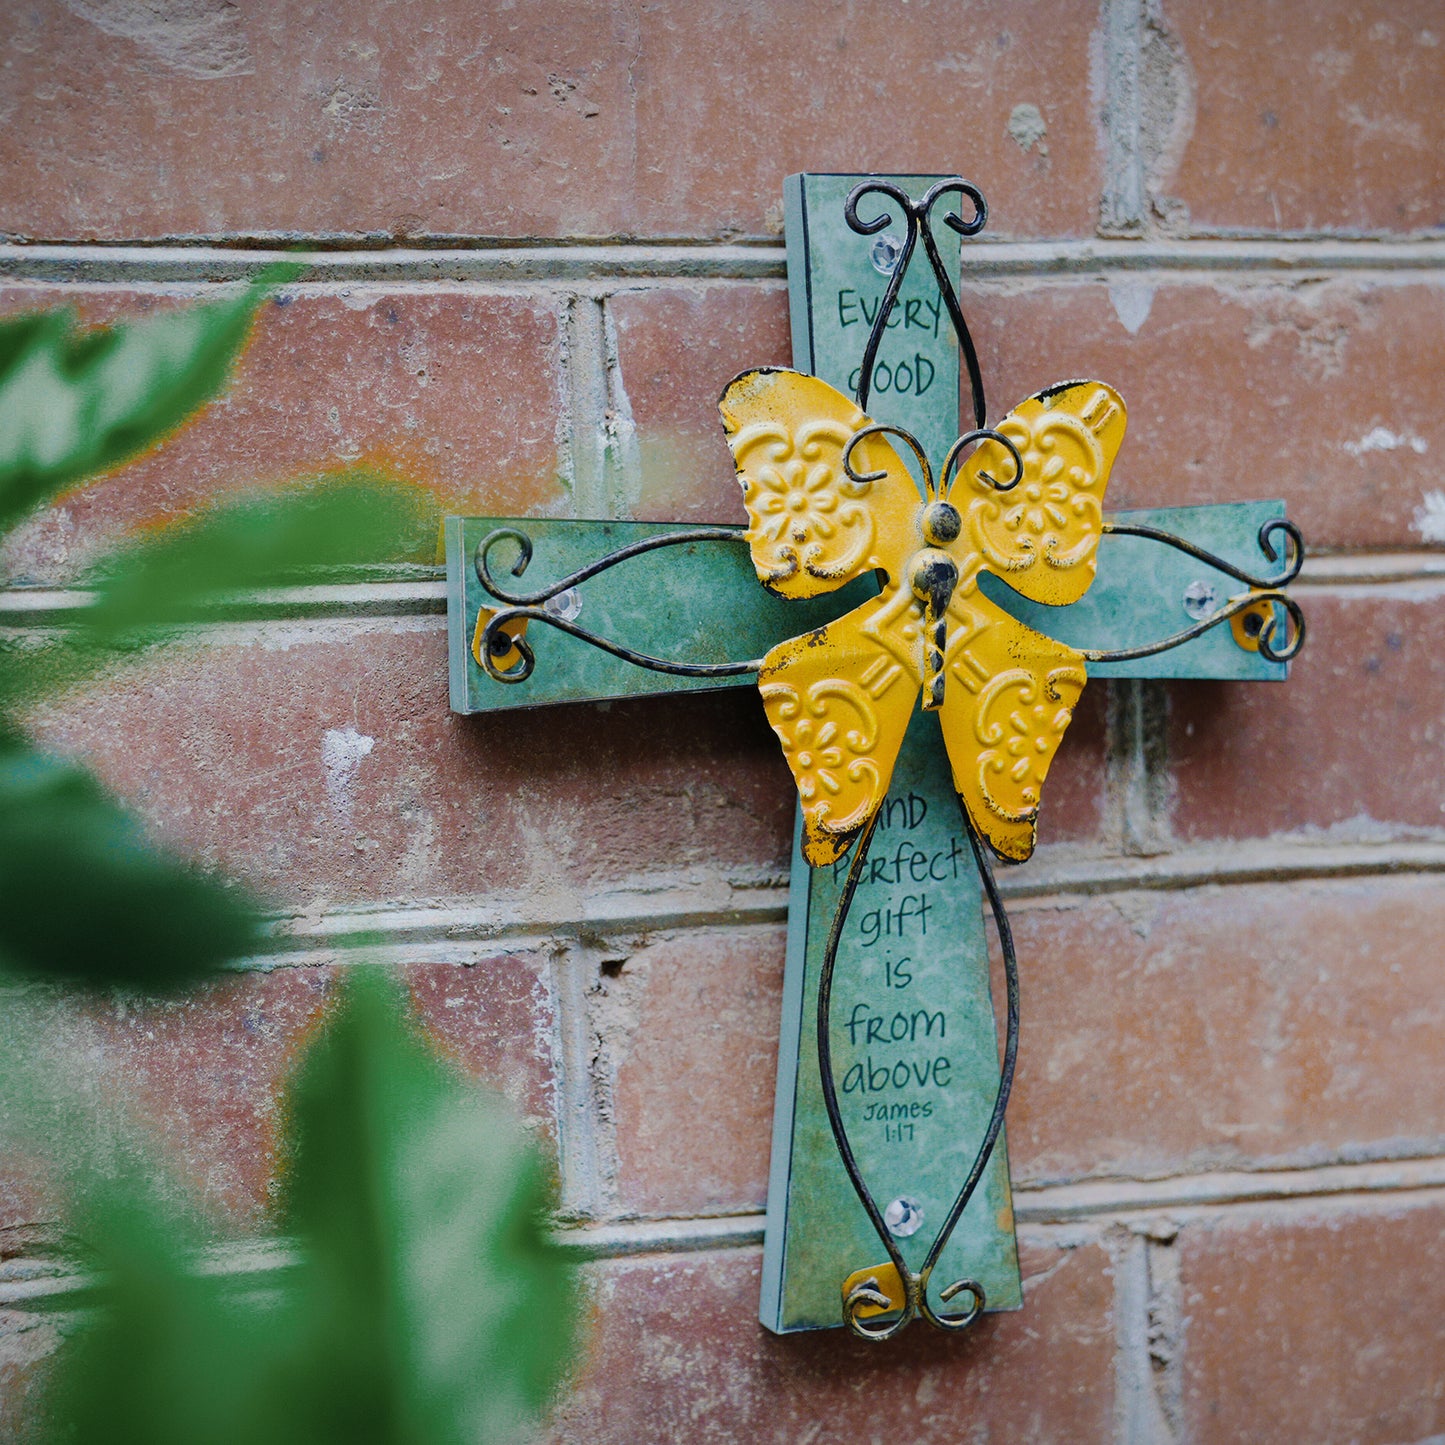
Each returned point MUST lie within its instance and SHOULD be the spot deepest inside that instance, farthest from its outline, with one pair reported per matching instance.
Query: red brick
(1248, 1026)
(1072, 810)
(1246, 390)
(677, 1354)
(690, 1028)
(677, 349)
(455, 390)
(201, 1076)
(541, 120)
(803, 86)
(27, 1343)
(221, 748)
(1354, 740)
(1325, 119)
(1322, 1326)
(495, 1020)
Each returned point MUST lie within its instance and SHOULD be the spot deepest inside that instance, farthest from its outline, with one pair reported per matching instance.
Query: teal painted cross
(914, 1040)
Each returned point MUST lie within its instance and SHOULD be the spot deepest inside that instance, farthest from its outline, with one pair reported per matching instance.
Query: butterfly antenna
(955, 455)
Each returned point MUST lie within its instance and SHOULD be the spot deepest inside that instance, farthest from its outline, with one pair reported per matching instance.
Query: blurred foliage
(74, 402)
(206, 565)
(428, 1304)
(84, 896)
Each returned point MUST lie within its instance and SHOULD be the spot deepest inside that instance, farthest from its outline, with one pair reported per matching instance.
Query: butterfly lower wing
(840, 699)
(1009, 695)
(1042, 534)
(811, 527)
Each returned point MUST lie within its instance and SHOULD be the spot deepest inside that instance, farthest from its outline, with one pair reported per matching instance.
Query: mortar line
(582, 1192)
(623, 452)
(1121, 198)
(1136, 774)
(457, 930)
(596, 269)
(585, 423)
(1138, 1418)
(51, 1282)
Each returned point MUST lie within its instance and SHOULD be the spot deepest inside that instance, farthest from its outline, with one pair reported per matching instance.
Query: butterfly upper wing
(1009, 696)
(840, 699)
(811, 527)
(1041, 536)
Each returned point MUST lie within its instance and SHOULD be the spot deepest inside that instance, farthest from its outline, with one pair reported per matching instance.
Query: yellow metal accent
(507, 660)
(840, 698)
(1248, 632)
(811, 528)
(883, 1278)
(1041, 536)
(1009, 697)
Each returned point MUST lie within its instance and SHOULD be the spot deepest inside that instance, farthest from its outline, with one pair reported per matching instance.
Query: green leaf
(76, 402)
(258, 540)
(175, 1356)
(183, 574)
(429, 1305)
(84, 896)
(440, 1310)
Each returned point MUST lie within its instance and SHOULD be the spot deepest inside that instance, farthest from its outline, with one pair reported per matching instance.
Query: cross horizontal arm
(704, 605)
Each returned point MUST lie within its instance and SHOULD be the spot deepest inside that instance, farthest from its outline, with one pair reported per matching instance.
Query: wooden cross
(915, 1058)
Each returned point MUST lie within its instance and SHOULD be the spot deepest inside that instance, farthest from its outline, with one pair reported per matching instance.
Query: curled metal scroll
(1263, 590)
(918, 221)
(528, 607)
(983, 434)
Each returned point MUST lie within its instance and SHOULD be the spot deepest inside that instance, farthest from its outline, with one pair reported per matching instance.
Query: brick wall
(541, 238)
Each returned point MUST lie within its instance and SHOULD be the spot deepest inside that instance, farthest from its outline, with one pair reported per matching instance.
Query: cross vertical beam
(915, 1051)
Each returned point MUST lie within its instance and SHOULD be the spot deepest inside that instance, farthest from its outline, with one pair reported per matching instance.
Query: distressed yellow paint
(811, 528)
(1238, 625)
(840, 698)
(1042, 536)
(884, 1278)
(515, 628)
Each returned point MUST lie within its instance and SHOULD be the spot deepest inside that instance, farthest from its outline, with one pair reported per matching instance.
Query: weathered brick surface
(1327, 124)
(1268, 1025)
(1228, 1027)
(1323, 1326)
(495, 1019)
(1354, 742)
(677, 1354)
(225, 749)
(676, 351)
(1236, 389)
(200, 1078)
(457, 390)
(543, 119)
(690, 1027)
(27, 1342)
(1321, 393)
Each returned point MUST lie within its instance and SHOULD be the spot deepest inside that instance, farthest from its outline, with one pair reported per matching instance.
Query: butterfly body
(828, 499)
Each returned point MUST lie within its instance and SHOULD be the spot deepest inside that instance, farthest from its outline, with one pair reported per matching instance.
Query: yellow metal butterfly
(829, 499)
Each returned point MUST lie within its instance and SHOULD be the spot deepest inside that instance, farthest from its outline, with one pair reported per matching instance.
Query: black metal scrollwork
(528, 606)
